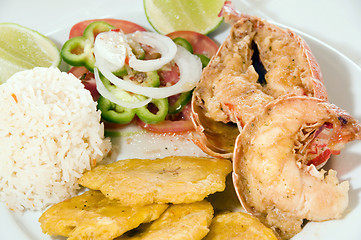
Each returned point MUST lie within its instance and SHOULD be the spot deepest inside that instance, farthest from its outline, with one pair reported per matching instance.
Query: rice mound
(50, 133)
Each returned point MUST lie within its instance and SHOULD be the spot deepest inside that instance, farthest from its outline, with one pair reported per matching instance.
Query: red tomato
(87, 78)
(201, 43)
(81, 72)
(169, 76)
(181, 125)
(126, 26)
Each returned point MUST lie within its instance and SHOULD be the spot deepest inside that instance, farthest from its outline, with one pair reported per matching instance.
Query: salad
(136, 75)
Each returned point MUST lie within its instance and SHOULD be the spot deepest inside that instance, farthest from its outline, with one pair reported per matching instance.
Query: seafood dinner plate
(342, 78)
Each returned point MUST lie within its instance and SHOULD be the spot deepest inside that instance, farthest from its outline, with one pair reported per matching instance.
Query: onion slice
(111, 47)
(190, 69)
(162, 44)
(108, 95)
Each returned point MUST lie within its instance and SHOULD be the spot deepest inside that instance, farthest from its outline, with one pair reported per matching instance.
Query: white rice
(50, 133)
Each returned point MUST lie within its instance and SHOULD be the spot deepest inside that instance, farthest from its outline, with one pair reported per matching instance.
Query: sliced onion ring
(112, 47)
(190, 69)
(162, 44)
(108, 95)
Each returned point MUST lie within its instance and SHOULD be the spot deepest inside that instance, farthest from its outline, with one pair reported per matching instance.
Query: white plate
(342, 78)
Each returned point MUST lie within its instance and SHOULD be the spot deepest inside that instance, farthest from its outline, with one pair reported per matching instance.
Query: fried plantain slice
(167, 180)
(93, 216)
(183, 221)
(238, 225)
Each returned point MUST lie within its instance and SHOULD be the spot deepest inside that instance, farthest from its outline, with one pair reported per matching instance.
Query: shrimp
(257, 63)
(271, 177)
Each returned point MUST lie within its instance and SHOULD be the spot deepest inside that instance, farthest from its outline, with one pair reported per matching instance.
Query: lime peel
(167, 16)
(22, 48)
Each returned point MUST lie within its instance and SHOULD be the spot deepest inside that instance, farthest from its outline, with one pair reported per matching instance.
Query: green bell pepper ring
(78, 51)
(148, 116)
(183, 99)
(137, 49)
(121, 72)
(183, 43)
(148, 79)
(204, 60)
(114, 113)
(117, 114)
(151, 79)
(120, 93)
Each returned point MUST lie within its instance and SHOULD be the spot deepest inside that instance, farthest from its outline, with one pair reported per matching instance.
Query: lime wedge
(167, 16)
(22, 48)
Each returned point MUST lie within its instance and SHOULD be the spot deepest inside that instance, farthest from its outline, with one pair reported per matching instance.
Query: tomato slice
(87, 78)
(80, 72)
(182, 124)
(169, 76)
(201, 43)
(126, 26)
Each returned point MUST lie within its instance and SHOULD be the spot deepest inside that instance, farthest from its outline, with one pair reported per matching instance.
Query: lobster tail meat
(272, 180)
(258, 63)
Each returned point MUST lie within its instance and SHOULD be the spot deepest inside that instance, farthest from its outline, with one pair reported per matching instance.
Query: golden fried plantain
(93, 216)
(238, 225)
(167, 180)
(183, 221)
